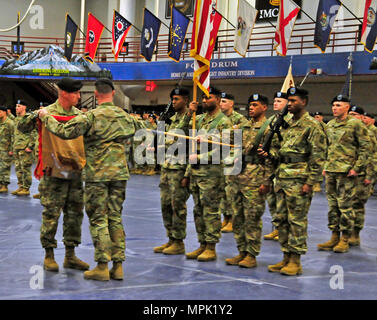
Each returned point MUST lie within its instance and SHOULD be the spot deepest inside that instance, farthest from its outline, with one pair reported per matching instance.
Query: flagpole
(308, 16)
(194, 98)
(226, 19)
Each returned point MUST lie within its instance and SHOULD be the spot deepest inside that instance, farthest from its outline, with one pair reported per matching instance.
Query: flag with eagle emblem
(93, 35)
(151, 28)
(120, 30)
(70, 37)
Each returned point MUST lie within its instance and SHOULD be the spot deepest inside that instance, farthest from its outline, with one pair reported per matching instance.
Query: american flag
(120, 29)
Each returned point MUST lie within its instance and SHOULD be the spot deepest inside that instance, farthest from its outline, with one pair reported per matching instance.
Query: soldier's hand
(28, 150)
(306, 188)
(261, 152)
(10, 153)
(42, 113)
(193, 158)
(185, 182)
(324, 173)
(367, 182)
(264, 189)
(193, 107)
(352, 173)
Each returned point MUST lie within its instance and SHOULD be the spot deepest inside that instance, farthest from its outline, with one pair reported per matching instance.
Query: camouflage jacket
(349, 145)
(237, 120)
(23, 140)
(6, 136)
(371, 169)
(105, 130)
(302, 153)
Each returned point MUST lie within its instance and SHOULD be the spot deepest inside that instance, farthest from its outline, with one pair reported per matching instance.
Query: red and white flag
(204, 33)
(286, 21)
(93, 35)
(120, 30)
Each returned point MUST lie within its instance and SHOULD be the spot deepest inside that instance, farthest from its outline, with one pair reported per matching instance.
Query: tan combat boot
(293, 268)
(23, 192)
(178, 247)
(228, 227)
(15, 192)
(329, 245)
(342, 245)
(194, 254)
(3, 189)
(37, 196)
(354, 240)
(49, 262)
(236, 260)
(100, 273)
(209, 253)
(72, 262)
(161, 248)
(225, 222)
(116, 272)
(280, 265)
(248, 262)
(272, 235)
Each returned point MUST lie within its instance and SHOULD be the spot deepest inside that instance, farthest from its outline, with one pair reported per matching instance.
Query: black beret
(105, 81)
(368, 115)
(280, 94)
(340, 98)
(357, 109)
(318, 113)
(258, 97)
(22, 102)
(3, 108)
(297, 92)
(228, 96)
(69, 85)
(179, 92)
(214, 91)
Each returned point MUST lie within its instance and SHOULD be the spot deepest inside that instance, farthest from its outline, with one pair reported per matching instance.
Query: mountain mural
(50, 61)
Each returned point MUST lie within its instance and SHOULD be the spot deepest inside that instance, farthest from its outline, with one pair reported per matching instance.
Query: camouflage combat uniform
(59, 194)
(105, 130)
(301, 158)
(349, 145)
(6, 142)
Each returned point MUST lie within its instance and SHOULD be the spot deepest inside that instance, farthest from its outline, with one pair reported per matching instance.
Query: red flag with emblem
(93, 35)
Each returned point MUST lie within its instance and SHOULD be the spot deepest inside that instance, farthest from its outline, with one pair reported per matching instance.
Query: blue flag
(326, 16)
(151, 28)
(177, 34)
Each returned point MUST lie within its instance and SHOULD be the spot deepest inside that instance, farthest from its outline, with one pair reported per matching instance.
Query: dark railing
(261, 43)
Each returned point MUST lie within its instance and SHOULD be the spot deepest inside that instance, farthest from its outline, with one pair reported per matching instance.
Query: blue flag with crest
(177, 33)
(151, 28)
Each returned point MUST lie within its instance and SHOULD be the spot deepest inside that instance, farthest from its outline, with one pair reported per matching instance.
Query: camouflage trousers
(226, 206)
(103, 205)
(173, 203)
(61, 195)
(271, 201)
(5, 166)
(23, 161)
(206, 193)
(292, 215)
(248, 208)
(363, 193)
(341, 193)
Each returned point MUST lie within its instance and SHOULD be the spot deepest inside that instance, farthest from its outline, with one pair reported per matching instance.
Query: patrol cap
(22, 102)
(3, 108)
(258, 97)
(214, 91)
(225, 95)
(340, 98)
(356, 109)
(106, 81)
(179, 92)
(317, 113)
(280, 94)
(368, 115)
(295, 91)
(69, 85)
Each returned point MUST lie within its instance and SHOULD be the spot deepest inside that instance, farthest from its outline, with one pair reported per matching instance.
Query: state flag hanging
(177, 33)
(70, 37)
(286, 21)
(326, 15)
(149, 34)
(93, 35)
(245, 23)
(206, 26)
(369, 28)
(288, 82)
(120, 30)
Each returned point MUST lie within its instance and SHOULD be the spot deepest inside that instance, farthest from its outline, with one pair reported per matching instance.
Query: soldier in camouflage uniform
(6, 142)
(251, 187)
(59, 194)
(301, 157)
(173, 194)
(23, 146)
(206, 179)
(237, 120)
(349, 145)
(105, 130)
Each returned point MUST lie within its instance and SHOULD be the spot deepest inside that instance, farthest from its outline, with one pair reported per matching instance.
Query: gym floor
(150, 276)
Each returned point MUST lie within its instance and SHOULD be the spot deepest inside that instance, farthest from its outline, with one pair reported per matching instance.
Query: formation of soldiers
(286, 175)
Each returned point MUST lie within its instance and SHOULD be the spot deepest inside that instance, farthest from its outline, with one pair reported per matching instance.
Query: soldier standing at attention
(349, 145)
(6, 142)
(174, 192)
(23, 146)
(251, 187)
(301, 157)
(105, 130)
(206, 179)
(60, 192)
(238, 121)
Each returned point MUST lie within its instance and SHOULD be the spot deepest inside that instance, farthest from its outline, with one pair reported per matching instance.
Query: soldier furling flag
(177, 33)
(70, 37)
(149, 34)
(120, 30)
(93, 35)
(369, 27)
(326, 15)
